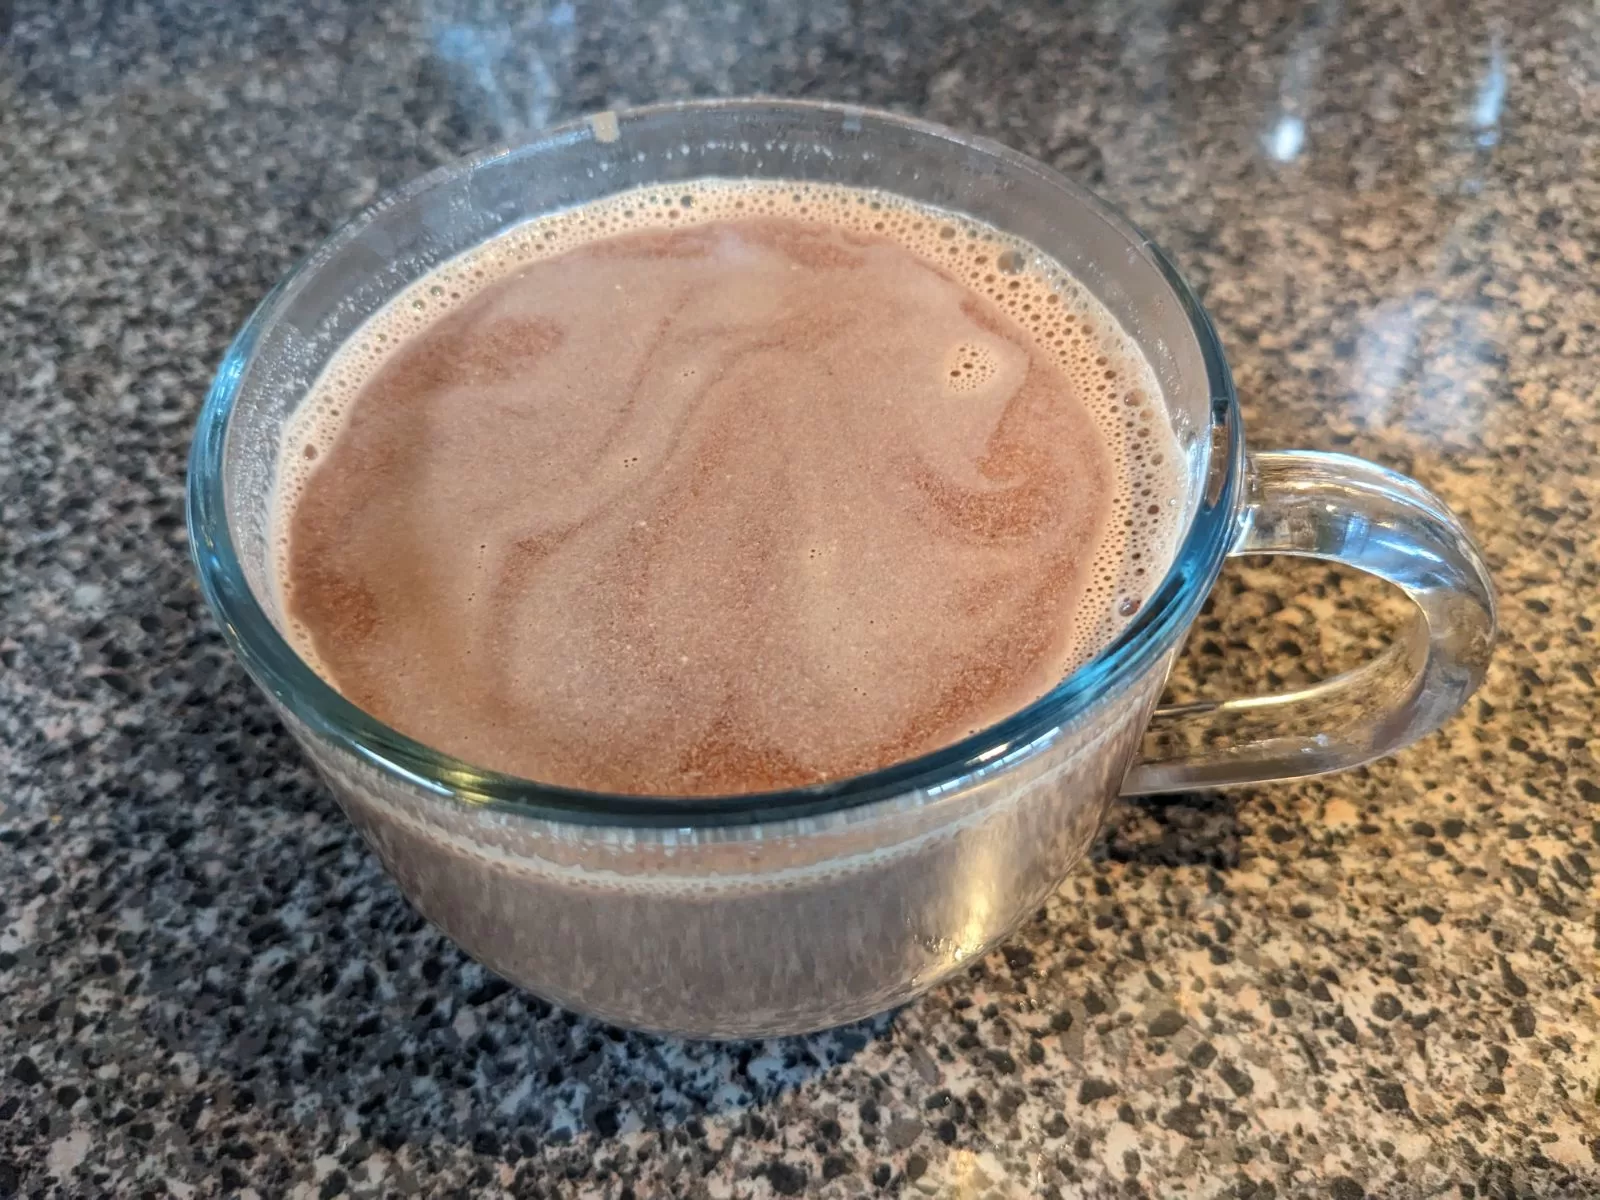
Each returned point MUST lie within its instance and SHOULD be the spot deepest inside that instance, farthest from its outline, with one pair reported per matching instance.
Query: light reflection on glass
(1424, 365)
(1287, 139)
(1385, 355)
(1491, 96)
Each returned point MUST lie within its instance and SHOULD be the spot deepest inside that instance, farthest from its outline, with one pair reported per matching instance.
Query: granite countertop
(1380, 983)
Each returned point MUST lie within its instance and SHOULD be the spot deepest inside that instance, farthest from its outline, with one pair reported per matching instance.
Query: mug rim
(291, 683)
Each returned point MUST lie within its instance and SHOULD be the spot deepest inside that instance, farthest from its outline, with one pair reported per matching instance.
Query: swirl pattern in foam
(724, 487)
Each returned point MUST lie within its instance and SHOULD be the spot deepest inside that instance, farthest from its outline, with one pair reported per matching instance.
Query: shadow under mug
(790, 911)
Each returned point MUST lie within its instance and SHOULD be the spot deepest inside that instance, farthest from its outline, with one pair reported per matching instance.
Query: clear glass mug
(779, 913)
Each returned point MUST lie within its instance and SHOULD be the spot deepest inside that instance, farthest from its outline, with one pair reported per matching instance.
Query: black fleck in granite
(1378, 984)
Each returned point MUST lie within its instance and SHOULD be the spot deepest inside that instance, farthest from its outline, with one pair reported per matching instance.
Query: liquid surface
(722, 490)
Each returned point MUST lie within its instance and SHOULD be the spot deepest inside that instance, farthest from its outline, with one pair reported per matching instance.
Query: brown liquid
(754, 502)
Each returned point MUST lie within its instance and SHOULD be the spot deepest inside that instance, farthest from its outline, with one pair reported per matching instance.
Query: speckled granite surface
(1382, 983)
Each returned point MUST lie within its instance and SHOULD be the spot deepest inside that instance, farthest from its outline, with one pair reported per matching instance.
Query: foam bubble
(970, 366)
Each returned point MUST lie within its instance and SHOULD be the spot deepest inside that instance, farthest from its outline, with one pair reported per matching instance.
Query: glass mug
(779, 913)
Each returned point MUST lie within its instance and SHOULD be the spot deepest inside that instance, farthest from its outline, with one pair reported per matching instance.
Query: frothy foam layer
(723, 488)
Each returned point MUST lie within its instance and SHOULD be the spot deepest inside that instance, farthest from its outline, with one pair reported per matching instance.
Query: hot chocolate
(723, 488)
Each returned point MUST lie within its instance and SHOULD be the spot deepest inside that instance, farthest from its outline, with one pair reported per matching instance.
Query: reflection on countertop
(1380, 983)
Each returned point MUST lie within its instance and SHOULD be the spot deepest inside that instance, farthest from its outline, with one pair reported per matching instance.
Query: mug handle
(1349, 511)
